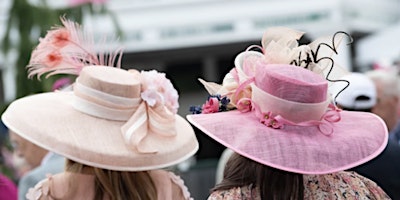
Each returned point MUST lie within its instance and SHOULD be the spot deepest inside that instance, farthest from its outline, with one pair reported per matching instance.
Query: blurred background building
(189, 39)
(200, 38)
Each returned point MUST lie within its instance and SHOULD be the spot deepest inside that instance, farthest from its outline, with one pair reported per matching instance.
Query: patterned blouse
(340, 185)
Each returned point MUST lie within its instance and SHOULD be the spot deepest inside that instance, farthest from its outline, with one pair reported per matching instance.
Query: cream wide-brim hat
(51, 121)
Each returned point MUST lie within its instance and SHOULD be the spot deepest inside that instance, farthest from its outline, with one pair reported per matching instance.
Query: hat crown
(282, 81)
(111, 80)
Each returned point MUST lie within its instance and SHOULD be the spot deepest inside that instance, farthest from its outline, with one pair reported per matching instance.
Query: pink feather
(67, 49)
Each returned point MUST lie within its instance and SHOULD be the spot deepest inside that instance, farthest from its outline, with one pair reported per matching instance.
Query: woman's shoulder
(171, 184)
(345, 185)
(59, 186)
(41, 190)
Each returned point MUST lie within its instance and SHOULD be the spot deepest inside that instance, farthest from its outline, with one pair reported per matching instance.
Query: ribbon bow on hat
(155, 119)
(149, 108)
(156, 112)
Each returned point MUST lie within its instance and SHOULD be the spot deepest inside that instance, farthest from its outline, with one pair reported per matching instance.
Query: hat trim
(103, 105)
(310, 111)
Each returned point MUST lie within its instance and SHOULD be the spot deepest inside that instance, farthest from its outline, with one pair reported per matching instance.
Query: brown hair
(272, 183)
(118, 185)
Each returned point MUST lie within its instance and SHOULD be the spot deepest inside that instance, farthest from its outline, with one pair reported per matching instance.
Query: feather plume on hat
(67, 49)
(279, 45)
(111, 118)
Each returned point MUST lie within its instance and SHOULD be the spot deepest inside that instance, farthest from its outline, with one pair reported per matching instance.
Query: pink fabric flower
(157, 89)
(244, 105)
(211, 106)
(269, 120)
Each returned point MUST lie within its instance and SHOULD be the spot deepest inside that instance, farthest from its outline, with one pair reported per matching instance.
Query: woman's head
(27, 150)
(272, 183)
(116, 185)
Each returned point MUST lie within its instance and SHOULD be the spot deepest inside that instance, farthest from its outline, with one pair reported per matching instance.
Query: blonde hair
(117, 185)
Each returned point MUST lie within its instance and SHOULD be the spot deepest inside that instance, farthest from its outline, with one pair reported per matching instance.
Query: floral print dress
(340, 185)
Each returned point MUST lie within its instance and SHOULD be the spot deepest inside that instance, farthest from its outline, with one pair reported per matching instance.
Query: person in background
(388, 102)
(361, 95)
(289, 140)
(8, 188)
(40, 160)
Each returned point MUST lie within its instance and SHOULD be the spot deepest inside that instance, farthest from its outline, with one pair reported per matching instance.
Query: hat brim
(48, 120)
(357, 138)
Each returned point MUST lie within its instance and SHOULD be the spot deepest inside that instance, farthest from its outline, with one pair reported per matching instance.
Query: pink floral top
(341, 185)
(169, 187)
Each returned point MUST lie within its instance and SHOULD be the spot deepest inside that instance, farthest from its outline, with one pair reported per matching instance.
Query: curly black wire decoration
(311, 57)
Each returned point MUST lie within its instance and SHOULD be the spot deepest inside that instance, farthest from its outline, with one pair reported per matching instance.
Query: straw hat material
(104, 122)
(289, 123)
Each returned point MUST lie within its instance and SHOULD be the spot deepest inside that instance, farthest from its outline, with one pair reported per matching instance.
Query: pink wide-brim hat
(104, 123)
(293, 126)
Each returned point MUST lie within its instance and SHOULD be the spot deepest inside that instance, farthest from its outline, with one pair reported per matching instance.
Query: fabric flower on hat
(158, 106)
(211, 106)
(232, 81)
(279, 46)
(214, 103)
(157, 89)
